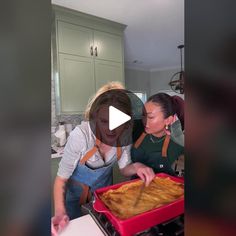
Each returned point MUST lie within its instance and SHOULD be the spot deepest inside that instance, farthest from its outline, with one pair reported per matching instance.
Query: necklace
(158, 140)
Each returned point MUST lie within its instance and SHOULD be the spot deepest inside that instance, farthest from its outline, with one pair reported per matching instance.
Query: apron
(85, 180)
(158, 161)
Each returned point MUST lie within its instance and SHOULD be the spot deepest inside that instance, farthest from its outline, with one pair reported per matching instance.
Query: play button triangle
(117, 118)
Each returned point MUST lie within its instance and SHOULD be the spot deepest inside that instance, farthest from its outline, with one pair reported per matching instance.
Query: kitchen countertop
(84, 225)
(59, 152)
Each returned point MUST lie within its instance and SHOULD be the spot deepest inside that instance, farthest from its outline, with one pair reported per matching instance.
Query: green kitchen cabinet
(87, 52)
(82, 41)
(74, 39)
(76, 82)
(107, 71)
(107, 46)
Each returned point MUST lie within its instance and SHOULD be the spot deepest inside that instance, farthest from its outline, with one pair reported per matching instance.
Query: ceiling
(154, 28)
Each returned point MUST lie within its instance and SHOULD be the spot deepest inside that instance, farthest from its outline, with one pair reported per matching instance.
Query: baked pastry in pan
(122, 201)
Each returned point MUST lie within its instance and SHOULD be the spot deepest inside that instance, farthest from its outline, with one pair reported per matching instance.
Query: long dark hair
(170, 105)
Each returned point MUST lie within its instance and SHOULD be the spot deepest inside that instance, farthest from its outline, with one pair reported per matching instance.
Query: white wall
(151, 82)
(159, 79)
(137, 80)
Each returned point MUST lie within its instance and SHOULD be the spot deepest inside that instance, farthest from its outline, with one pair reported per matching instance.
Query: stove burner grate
(173, 227)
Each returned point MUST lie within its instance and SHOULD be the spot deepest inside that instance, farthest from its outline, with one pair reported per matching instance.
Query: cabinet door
(106, 71)
(77, 83)
(109, 46)
(74, 39)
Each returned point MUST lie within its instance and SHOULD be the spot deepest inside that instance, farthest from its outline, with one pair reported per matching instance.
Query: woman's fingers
(54, 226)
(141, 176)
(58, 223)
(63, 223)
(146, 174)
(149, 175)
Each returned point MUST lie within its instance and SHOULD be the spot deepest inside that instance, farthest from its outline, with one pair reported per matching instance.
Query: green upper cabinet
(74, 39)
(107, 46)
(74, 89)
(87, 52)
(108, 71)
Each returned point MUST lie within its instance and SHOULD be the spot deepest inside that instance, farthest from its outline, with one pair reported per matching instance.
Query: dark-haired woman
(160, 140)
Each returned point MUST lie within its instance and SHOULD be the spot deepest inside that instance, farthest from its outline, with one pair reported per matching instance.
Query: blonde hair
(103, 89)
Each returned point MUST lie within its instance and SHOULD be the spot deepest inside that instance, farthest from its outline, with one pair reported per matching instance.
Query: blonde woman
(87, 162)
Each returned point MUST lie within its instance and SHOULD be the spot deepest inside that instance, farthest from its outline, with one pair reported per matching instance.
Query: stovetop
(173, 227)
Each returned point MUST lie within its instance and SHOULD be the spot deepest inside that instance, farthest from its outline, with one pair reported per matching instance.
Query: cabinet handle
(96, 51)
(91, 50)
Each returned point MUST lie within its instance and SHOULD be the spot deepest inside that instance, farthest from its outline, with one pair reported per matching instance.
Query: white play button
(116, 118)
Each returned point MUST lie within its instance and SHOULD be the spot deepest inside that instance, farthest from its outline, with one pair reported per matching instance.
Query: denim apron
(83, 176)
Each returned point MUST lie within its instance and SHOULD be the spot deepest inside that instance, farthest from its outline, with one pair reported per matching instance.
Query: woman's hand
(144, 172)
(58, 223)
(60, 220)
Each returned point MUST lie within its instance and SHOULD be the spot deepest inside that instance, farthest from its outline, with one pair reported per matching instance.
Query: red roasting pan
(143, 221)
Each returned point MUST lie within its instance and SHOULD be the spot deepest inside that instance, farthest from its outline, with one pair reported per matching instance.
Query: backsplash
(70, 119)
